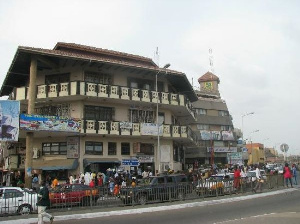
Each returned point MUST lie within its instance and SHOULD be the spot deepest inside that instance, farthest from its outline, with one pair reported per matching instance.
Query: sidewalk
(76, 213)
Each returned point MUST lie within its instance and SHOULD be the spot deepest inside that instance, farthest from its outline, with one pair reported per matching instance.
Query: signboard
(150, 129)
(9, 120)
(227, 135)
(125, 125)
(146, 159)
(235, 158)
(222, 149)
(48, 123)
(210, 135)
(73, 147)
(130, 162)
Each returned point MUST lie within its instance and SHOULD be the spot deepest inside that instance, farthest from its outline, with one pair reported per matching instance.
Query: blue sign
(130, 162)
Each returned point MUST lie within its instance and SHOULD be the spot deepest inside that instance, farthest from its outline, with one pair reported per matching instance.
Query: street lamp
(244, 115)
(158, 143)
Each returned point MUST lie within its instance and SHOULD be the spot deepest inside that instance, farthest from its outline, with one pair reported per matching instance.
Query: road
(281, 208)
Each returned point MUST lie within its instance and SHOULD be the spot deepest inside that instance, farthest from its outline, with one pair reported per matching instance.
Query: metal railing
(99, 197)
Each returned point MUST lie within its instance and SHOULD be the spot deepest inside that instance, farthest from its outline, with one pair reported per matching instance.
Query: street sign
(130, 162)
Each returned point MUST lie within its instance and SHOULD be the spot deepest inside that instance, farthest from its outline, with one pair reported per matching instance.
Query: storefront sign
(130, 162)
(73, 146)
(146, 159)
(9, 120)
(222, 149)
(48, 123)
(235, 158)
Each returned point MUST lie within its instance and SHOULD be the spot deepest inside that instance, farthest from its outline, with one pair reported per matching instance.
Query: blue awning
(89, 161)
(57, 164)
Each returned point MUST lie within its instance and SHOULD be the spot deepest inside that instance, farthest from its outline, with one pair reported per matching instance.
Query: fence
(142, 194)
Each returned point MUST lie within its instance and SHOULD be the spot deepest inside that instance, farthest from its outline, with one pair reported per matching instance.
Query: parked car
(67, 194)
(251, 175)
(16, 200)
(157, 188)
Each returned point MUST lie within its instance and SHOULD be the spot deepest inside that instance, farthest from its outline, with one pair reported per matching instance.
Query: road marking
(152, 209)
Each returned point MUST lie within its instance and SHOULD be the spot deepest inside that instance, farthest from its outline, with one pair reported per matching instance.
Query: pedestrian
(237, 178)
(258, 180)
(43, 204)
(287, 174)
(294, 172)
(92, 183)
(54, 183)
(35, 183)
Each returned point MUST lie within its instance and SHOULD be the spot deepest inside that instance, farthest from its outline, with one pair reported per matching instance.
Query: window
(202, 126)
(94, 148)
(200, 111)
(54, 148)
(223, 113)
(112, 148)
(141, 116)
(225, 128)
(57, 79)
(125, 148)
(141, 84)
(99, 113)
(147, 149)
(97, 77)
(12, 193)
(61, 110)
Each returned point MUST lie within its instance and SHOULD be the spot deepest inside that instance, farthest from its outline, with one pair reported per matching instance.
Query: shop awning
(57, 164)
(90, 161)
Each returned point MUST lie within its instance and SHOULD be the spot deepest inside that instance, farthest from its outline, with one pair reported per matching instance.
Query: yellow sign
(208, 85)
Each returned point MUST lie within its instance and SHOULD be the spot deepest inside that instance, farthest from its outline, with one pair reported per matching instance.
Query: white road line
(151, 209)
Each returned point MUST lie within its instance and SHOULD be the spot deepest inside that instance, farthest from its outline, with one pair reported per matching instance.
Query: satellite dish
(284, 147)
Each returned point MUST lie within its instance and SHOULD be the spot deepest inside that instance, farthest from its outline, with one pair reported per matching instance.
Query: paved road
(281, 208)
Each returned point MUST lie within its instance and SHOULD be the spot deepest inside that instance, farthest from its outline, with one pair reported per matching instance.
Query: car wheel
(142, 199)
(24, 209)
(181, 196)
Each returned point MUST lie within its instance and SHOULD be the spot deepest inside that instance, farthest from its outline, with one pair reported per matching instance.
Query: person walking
(258, 180)
(237, 178)
(294, 172)
(287, 174)
(43, 204)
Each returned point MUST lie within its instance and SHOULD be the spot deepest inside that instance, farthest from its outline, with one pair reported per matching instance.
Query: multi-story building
(213, 125)
(256, 153)
(112, 98)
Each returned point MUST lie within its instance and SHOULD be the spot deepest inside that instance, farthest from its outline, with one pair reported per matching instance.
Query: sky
(255, 47)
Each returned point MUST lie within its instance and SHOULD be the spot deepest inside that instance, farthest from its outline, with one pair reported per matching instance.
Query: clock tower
(209, 85)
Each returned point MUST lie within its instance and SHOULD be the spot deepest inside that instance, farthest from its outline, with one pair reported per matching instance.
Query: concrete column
(30, 110)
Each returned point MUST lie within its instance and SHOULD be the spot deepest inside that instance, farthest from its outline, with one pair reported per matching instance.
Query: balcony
(135, 129)
(80, 88)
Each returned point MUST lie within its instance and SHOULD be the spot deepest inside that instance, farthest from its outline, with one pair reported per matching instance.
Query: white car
(17, 200)
(218, 181)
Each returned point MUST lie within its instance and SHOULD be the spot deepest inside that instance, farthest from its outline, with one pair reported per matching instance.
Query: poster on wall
(165, 153)
(73, 146)
(9, 120)
(210, 135)
(48, 123)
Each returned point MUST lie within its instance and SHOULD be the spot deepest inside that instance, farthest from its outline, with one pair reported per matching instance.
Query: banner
(125, 125)
(150, 129)
(235, 158)
(222, 149)
(48, 123)
(73, 147)
(9, 120)
(227, 135)
(210, 135)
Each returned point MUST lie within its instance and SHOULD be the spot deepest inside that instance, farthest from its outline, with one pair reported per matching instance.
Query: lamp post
(158, 143)
(244, 115)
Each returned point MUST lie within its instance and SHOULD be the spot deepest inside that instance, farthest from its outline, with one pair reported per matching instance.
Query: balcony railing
(107, 91)
(113, 128)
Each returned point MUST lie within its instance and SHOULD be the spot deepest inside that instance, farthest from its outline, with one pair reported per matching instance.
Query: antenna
(211, 61)
(156, 56)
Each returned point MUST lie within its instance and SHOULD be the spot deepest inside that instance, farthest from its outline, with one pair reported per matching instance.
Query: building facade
(213, 126)
(90, 109)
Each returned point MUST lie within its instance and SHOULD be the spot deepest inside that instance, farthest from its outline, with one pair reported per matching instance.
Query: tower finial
(211, 61)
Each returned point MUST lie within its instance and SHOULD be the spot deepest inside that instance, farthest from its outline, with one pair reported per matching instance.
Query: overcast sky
(255, 47)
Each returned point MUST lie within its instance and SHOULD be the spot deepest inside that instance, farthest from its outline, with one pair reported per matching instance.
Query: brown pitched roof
(208, 76)
(88, 49)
